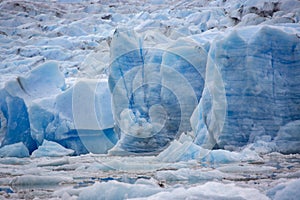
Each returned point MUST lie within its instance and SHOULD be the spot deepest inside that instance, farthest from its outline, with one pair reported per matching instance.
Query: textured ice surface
(288, 190)
(210, 190)
(18, 94)
(249, 95)
(14, 150)
(61, 41)
(64, 42)
(154, 90)
(16, 127)
(79, 118)
(36, 106)
(82, 176)
(117, 190)
(43, 81)
(288, 138)
(51, 149)
(30, 180)
(184, 149)
(189, 175)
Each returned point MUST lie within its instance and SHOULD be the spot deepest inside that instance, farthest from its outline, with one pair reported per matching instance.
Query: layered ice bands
(154, 90)
(258, 67)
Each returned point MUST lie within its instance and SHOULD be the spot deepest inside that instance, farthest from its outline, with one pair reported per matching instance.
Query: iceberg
(189, 175)
(287, 190)
(51, 149)
(38, 180)
(184, 149)
(209, 190)
(288, 138)
(251, 88)
(117, 190)
(154, 90)
(18, 150)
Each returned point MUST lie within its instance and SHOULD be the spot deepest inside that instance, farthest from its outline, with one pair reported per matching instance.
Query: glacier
(257, 80)
(149, 99)
(136, 118)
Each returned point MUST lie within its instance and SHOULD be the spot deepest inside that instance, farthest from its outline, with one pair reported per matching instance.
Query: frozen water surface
(111, 177)
(170, 99)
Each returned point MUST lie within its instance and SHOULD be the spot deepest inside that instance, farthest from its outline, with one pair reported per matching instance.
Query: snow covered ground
(169, 66)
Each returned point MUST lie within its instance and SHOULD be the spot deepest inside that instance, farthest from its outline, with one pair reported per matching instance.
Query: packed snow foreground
(150, 100)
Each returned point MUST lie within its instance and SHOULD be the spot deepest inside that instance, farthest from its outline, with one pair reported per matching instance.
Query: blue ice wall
(252, 86)
(37, 106)
(154, 90)
(18, 126)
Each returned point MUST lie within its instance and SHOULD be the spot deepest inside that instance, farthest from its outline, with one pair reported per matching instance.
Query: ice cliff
(38, 107)
(225, 72)
(154, 90)
(251, 89)
(241, 87)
